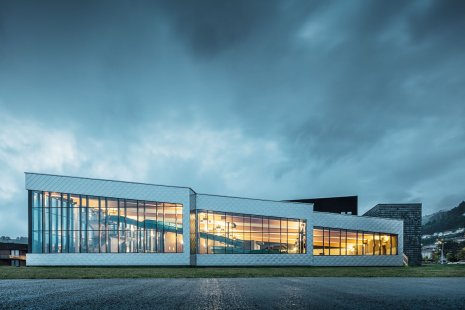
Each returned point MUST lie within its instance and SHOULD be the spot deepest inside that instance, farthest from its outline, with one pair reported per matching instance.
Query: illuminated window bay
(335, 241)
(233, 233)
(69, 223)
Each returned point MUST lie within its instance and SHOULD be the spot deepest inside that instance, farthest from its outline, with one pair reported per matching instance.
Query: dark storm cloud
(442, 19)
(212, 26)
(376, 15)
(366, 77)
(305, 98)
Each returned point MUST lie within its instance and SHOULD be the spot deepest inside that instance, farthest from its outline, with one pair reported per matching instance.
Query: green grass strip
(226, 272)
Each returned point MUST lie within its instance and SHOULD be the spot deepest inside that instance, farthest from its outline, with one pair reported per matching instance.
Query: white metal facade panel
(116, 189)
(376, 260)
(355, 222)
(107, 259)
(254, 260)
(257, 207)
(106, 188)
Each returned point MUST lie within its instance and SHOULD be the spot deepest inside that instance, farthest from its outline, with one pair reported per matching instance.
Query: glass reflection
(69, 223)
(231, 233)
(336, 242)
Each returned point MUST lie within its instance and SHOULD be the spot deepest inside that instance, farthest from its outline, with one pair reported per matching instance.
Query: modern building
(12, 253)
(82, 221)
(428, 251)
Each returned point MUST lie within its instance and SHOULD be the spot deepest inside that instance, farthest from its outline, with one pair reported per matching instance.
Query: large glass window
(232, 233)
(343, 242)
(69, 223)
(170, 227)
(368, 243)
(336, 242)
(326, 241)
(318, 241)
(393, 244)
(352, 243)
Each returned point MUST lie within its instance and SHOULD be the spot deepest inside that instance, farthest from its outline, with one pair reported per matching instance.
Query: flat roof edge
(332, 197)
(398, 204)
(361, 216)
(106, 180)
(259, 199)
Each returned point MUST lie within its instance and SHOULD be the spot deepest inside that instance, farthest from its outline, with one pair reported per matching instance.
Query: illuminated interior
(67, 223)
(233, 233)
(335, 241)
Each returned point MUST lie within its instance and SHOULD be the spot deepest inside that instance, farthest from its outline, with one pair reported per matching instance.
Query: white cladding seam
(113, 189)
(257, 207)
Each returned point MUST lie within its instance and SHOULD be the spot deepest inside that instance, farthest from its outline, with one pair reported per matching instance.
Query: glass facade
(233, 233)
(68, 223)
(71, 223)
(335, 241)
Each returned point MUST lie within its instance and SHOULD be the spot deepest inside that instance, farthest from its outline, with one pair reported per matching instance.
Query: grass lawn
(224, 272)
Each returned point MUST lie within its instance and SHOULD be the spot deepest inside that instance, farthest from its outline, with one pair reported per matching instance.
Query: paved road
(258, 293)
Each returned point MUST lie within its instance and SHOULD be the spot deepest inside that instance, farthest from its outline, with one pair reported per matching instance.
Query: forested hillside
(445, 220)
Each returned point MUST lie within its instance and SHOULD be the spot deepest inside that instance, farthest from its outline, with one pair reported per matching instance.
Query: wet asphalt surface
(237, 293)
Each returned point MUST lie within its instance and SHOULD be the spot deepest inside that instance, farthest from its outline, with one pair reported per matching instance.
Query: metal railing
(405, 259)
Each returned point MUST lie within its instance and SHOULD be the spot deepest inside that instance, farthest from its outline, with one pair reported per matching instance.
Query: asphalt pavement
(235, 293)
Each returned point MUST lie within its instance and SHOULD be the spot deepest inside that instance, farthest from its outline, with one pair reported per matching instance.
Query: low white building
(82, 221)
(427, 251)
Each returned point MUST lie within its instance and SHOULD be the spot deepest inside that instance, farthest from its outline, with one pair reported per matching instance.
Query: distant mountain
(427, 218)
(444, 220)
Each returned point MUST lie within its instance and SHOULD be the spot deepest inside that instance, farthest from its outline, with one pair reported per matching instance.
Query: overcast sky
(266, 99)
